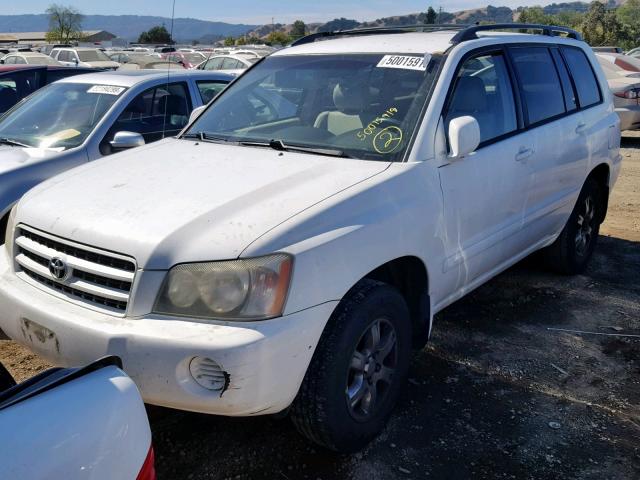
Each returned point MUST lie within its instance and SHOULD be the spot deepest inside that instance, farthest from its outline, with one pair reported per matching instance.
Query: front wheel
(572, 250)
(357, 370)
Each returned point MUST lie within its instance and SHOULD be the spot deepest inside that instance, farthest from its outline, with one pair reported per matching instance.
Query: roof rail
(377, 31)
(549, 30)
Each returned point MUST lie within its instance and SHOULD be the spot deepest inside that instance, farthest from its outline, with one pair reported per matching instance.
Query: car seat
(350, 102)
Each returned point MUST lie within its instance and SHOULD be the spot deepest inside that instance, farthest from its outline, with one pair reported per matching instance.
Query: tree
(338, 24)
(278, 38)
(229, 42)
(601, 26)
(432, 16)
(298, 30)
(535, 15)
(629, 15)
(65, 24)
(241, 41)
(158, 34)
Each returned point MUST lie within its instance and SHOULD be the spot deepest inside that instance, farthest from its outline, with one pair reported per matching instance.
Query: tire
(342, 368)
(572, 250)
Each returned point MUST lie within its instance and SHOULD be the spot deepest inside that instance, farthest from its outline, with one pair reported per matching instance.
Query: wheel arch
(410, 276)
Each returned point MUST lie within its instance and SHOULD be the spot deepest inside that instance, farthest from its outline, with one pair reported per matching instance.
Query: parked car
(635, 52)
(28, 58)
(78, 424)
(623, 62)
(186, 59)
(87, 117)
(228, 63)
(47, 48)
(625, 87)
(273, 257)
(141, 61)
(20, 81)
(612, 69)
(608, 49)
(84, 57)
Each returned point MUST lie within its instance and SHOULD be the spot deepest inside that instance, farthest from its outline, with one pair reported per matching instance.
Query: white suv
(294, 243)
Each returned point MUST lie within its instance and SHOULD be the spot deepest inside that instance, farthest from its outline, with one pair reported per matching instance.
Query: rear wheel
(357, 371)
(572, 250)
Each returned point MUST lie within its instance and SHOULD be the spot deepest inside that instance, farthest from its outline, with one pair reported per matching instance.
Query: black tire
(567, 255)
(321, 411)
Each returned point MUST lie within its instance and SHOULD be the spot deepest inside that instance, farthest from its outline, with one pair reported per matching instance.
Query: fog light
(208, 374)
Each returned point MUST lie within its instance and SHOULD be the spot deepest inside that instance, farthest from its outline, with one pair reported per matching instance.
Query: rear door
(555, 123)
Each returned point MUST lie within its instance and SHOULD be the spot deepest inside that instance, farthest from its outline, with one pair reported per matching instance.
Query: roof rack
(470, 33)
(378, 30)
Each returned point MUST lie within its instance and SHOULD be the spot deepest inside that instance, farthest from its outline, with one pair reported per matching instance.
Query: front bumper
(629, 117)
(265, 361)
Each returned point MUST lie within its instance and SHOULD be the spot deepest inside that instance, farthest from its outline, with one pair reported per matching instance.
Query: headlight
(8, 236)
(253, 289)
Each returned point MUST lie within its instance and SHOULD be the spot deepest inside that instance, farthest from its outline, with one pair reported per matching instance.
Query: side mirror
(124, 140)
(195, 113)
(464, 136)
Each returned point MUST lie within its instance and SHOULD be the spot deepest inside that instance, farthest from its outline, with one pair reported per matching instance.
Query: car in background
(143, 61)
(84, 423)
(186, 59)
(29, 58)
(84, 57)
(164, 49)
(87, 117)
(20, 81)
(613, 69)
(228, 63)
(246, 53)
(47, 48)
(624, 62)
(607, 49)
(625, 87)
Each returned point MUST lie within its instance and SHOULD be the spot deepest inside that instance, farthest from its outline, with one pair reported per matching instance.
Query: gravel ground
(532, 376)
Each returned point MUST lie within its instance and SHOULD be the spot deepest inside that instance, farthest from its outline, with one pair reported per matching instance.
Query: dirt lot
(531, 376)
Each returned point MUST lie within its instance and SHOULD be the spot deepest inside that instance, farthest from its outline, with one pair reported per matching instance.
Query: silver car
(86, 117)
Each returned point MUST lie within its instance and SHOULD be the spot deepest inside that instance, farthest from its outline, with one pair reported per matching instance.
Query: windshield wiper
(13, 143)
(206, 137)
(282, 147)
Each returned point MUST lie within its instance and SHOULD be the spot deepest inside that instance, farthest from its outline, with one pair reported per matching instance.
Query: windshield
(365, 106)
(93, 56)
(41, 60)
(60, 115)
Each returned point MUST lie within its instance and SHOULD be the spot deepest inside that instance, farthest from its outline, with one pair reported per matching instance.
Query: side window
(63, 56)
(483, 91)
(156, 113)
(20, 60)
(210, 89)
(570, 101)
(541, 88)
(229, 64)
(583, 76)
(10, 60)
(214, 64)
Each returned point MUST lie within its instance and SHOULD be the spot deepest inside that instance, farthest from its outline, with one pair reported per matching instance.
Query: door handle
(581, 128)
(523, 154)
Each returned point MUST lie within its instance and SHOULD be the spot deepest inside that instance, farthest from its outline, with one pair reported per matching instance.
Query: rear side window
(540, 85)
(570, 101)
(583, 76)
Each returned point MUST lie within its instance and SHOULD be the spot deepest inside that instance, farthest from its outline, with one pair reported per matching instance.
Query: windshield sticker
(387, 140)
(404, 61)
(373, 126)
(106, 89)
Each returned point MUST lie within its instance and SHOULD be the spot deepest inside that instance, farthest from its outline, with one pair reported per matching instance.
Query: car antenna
(164, 113)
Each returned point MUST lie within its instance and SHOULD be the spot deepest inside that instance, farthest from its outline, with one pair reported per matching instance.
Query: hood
(14, 158)
(102, 64)
(184, 201)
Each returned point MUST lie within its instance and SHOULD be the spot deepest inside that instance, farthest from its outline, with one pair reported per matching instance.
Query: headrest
(350, 99)
(470, 95)
(173, 105)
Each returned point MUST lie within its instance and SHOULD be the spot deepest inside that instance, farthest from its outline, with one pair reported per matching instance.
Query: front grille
(97, 279)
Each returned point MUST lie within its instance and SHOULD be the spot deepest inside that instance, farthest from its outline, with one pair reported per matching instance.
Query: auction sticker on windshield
(403, 61)
(106, 89)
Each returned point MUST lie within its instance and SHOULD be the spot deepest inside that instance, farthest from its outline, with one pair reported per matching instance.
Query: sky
(258, 11)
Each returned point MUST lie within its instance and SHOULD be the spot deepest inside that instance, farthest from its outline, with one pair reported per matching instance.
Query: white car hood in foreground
(181, 201)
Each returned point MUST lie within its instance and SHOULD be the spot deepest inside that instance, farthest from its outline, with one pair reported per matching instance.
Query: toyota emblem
(57, 268)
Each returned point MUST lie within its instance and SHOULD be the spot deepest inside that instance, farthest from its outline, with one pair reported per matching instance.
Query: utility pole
(273, 25)
(438, 21)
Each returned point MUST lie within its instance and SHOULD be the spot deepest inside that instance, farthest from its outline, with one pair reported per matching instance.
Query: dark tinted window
(483, 91)
(570, 101)
(583, 76)
(541, 88)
